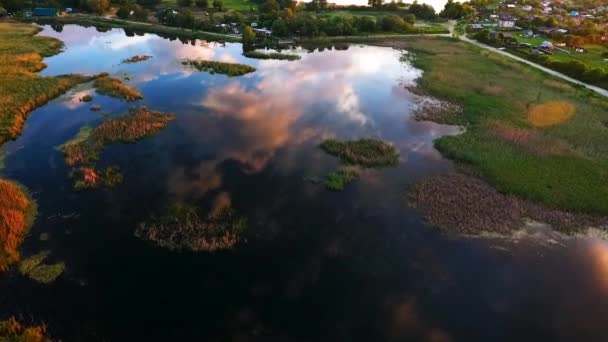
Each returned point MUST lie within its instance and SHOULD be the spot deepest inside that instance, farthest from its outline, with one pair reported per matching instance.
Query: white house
(506, 21)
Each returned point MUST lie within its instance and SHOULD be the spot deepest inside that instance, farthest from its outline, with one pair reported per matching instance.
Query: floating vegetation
(550, 113)
(85, 148)
(44, 237)
(136, 59)
(86, 98)
(17, 213)
(12, 330)
(95, 108)
(114, 87)
(270, 55)
(34, 268)
(337, 181)
(181, 228)
(465, 204)
(362, 152)
(213, 67)
(90, 177)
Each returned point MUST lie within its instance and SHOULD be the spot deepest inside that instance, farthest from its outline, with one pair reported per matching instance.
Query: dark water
(317, 265)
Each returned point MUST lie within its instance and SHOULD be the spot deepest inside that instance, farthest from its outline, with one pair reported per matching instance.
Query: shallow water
(317, 265)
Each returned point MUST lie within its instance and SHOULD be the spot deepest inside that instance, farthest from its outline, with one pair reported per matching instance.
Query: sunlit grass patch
(213, 67)
(362, 152)
(550, 113)
(114, 87)
(21, 89)
(17, 213)
(181, 228)
(337, 181)
(12, 330)
(35, 268)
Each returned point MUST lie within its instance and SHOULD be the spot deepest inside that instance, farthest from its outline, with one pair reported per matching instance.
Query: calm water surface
(317, 265)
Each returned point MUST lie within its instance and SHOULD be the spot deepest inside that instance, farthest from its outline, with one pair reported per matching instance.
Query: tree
(269, 6)
(248, 38)
(234, 17)
(184, 3)
(218, 5)
(392, 23)
(424, 11)
(322, 5)
(124, 11)
(12, 5)
(148, 3)
(3, 12)
(99, 6)
(202, 3)
(140, 13)
(456, 10)
(185, 19)
(409, 18)
(375, 3)
(279, 28)
(460, 29)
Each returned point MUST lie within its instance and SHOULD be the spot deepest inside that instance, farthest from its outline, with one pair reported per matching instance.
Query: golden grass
(531, 140)
(35, 268)
(13, 330)
(550, 113)
(114, 87)
(21, 89)
(16, 216)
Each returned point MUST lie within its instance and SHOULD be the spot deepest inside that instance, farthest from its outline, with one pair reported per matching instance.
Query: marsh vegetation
(11, 330)
(181, 228)
(363, 152)
(85, 148)
(35, 268)
(213, 67)
(136, 59)
(271, 55)
(114, 87)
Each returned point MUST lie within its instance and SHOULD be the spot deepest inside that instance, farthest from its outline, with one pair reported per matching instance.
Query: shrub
(202, 3)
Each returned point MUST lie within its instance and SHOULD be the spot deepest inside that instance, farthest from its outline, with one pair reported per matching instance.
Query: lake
(316, 265)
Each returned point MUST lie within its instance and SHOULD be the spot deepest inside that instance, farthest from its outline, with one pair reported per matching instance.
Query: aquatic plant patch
(271, 55)
(337, 181)
(213, 67)
(35, 268)
(82, 151)
(114, 87)
(17, 213)
(362, 152)
(465, 204)
(136, 59)
(181, 228)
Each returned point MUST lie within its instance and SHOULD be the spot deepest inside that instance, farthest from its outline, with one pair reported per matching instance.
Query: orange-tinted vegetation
(530, 139)
(84, 150)
(550, 113)
(21, 89)
(114, 87)
(13, 330)
(16, 216)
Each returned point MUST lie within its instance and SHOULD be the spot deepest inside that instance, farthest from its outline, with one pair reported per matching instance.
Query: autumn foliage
(16, 215)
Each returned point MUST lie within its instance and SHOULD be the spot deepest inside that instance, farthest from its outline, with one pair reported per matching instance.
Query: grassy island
(362, 152)
(114, 87)
(82, 151)
(13, 330)
(213, 67)
(136, 59)
(181, 228)
(271, 55)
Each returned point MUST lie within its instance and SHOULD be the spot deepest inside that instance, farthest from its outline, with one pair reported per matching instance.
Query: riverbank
(138, 27)
(527, 134)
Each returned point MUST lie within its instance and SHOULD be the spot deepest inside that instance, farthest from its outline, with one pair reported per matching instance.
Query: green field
(237, 5)
(526, 133)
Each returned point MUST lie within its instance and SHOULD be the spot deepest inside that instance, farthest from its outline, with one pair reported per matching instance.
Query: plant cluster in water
(136, 59)
(84, 149)
(181, 228)
(35, 268)
(12, 330)
(114, 87)
(362, 152)
(271, 55)
(17, 212)
(355, 154)
(213, 67)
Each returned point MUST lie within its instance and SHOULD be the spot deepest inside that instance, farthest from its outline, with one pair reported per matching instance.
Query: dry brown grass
(16, 216)
(550, 113)
(531, 140)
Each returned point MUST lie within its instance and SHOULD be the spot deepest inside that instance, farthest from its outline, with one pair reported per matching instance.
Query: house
(44, 12)
(262, 32)
(526, 8)
(546, 45)
(528, 34)
(506, 21)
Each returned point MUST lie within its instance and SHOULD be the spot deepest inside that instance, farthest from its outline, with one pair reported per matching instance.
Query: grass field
(563, 164)
(237, 5)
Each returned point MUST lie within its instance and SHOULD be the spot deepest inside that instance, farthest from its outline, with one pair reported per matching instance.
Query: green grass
(362, 152)
(337, 181)
(350, 13)
(495, 91)
(236, 5)
(214, 67)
